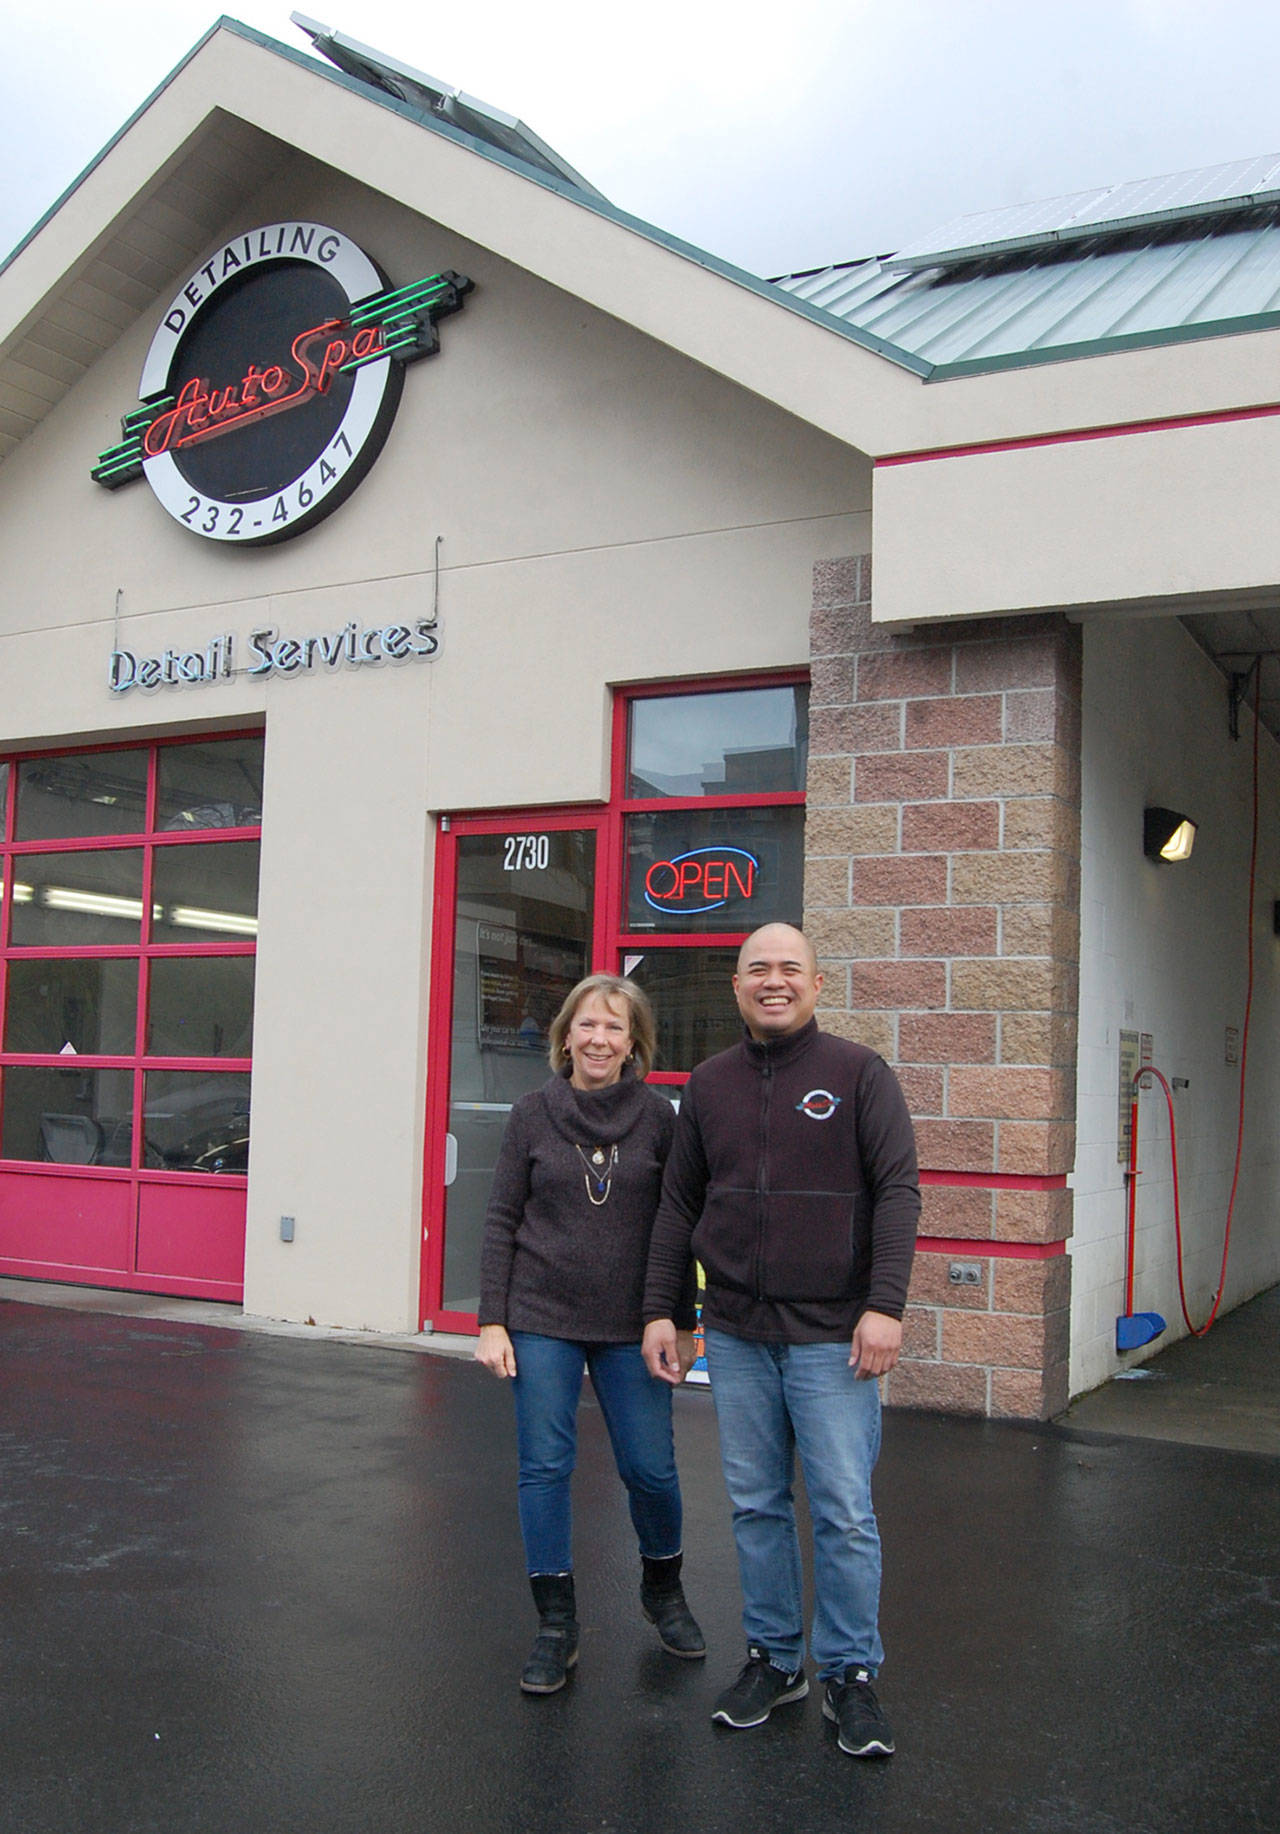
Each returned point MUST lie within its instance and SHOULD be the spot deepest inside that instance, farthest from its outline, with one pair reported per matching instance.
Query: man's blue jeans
(637, 1413)
(772, 1400)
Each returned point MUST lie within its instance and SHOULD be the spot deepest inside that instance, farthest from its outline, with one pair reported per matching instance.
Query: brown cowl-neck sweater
(553, 1261)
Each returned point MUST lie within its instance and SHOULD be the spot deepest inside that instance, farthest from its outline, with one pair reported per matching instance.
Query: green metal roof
(1212, 276)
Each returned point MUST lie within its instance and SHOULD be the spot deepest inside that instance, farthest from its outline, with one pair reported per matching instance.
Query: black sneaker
(758, 1690)
(861, 1727)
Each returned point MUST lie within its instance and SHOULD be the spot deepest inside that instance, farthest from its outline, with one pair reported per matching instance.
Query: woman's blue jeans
(773, 1400)
(637, 1413)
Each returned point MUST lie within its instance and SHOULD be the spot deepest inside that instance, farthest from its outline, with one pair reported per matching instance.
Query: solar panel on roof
(479, 119)
(1210, 190)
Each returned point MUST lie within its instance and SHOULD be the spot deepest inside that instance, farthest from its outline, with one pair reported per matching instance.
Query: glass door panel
(523, 923)
(692, 994)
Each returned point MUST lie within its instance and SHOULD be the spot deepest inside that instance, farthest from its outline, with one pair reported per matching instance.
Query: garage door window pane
(214, 785)
(77, 899)
(68, 1117)
(90, 1007)
(85, 794)
(201, 1006)
(195, 1122)
(206, 894)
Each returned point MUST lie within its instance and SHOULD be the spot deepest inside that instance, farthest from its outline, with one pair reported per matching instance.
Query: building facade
(426, 584)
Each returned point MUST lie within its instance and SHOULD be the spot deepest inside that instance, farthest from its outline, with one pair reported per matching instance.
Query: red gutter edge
(997, 1181)
(1214, 418)
(972, 1246)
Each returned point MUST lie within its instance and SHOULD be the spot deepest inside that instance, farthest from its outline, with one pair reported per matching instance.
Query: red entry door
(519, 912)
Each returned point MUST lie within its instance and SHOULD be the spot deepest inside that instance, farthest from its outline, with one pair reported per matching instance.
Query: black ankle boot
(663, 1603)
(555, 1648)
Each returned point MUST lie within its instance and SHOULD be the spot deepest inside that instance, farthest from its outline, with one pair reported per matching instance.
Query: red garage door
(128, 927)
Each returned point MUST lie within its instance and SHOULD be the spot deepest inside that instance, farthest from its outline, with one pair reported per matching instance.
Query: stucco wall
(1163, 950)
(1167, 513)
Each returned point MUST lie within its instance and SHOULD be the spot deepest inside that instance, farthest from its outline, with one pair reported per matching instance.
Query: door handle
(450, 1159)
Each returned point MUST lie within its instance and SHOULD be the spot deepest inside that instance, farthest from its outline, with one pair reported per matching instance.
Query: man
(793, 1181)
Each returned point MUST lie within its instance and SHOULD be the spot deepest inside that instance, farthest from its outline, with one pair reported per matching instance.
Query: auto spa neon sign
(272, 382)
(202, 412)
(704, 879)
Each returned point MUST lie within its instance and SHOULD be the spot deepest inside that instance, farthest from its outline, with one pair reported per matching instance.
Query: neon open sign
(705, 879)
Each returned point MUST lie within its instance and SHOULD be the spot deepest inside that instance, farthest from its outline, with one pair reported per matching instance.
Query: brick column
(942, 894)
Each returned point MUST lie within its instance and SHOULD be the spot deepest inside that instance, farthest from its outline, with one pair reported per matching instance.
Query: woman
(562, 1279)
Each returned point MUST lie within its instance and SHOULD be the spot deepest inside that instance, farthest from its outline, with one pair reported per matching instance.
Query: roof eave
(1154, 339)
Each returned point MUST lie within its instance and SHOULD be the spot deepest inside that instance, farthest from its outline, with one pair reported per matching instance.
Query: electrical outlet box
(286, 1228)
(964, 1273)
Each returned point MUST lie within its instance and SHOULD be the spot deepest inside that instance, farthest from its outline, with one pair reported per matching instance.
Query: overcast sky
(780, 134)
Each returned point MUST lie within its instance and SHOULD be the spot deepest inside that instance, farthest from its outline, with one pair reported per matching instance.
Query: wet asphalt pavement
(256, 1585)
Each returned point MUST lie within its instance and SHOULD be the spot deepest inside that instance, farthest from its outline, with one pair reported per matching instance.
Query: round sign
(271, 398)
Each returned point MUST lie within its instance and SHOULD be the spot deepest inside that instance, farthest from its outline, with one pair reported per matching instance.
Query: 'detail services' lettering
(271, 654)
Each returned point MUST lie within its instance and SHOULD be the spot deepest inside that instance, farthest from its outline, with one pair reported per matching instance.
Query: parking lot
(255, 1584)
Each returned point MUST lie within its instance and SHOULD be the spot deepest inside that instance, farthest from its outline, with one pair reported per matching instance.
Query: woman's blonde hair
(611, 987)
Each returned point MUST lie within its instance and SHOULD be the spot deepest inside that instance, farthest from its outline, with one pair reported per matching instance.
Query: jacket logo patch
(819, 1105)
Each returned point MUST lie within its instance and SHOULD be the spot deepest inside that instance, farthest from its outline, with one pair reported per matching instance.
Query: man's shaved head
(780, 936)
(777, 983)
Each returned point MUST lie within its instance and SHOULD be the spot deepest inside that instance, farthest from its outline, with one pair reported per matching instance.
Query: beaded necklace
(599, 1170)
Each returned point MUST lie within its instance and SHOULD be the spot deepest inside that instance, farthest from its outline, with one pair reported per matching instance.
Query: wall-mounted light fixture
(1166, 835)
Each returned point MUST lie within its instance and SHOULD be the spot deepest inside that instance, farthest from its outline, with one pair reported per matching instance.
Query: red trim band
(998, 1181)
(1170, 424)
(972, 1246)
